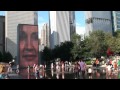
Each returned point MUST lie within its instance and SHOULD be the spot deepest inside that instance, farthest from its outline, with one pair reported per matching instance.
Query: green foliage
(76, 50)
(1, 55)
(113, 42)
(96, 43)
(117, 33)
(63, 51)
(76, 39)
(88, 62)
(46, 55)
(5, 57)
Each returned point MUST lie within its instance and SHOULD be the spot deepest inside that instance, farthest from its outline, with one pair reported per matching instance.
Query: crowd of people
(79, 68)
(112, 68)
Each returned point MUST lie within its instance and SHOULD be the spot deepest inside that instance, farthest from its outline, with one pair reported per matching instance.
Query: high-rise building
(2, 34)
(39, 41)
(45, 34)
(116, 20)
(59, 27)
(72, 23)
(98, 20)
(13, 18)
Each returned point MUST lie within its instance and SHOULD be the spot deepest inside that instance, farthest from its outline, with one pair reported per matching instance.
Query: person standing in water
(90, 72)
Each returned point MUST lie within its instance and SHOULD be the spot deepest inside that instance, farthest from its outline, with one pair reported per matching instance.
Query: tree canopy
(94, 45)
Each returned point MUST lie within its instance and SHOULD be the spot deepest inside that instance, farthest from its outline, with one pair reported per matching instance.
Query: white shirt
(89, 70)
(51, 65)
(57, 67)
(36, 68)
(109, 67)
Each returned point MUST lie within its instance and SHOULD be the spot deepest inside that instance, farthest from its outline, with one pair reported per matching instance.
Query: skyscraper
(60, 27)
(98, 20)
(13, 18)
(116, 20)
(2, 34)
(72, 23)
(45, 34)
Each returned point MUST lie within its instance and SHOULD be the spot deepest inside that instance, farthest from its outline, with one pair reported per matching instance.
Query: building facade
(13, 18)
(72, 23)
(59, 27)
(45, 34)
(2, 34)
(98, 20)
(116, 20)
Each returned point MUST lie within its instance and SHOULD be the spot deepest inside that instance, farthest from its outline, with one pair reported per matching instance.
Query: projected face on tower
(28, 45)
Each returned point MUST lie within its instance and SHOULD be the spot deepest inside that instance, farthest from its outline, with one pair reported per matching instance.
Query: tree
(46, 54)
(117, 42)
(117, 45)
(65, 50)
(117, 33)
(110, 42)
(56, 52)
(7, 57)
(1, 57)
(85, 48)
(96, 43)
(113, 42)
(76, 52)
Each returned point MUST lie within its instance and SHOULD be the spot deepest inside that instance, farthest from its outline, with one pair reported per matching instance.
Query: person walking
(76, 70)
(83, 68)
(17, 70)
(97, 63)
(90, 72)
(79, 69)
(34, 68)
(36, 72)
(28, 69)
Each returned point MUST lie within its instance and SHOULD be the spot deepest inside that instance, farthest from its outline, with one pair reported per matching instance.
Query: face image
(28, 45)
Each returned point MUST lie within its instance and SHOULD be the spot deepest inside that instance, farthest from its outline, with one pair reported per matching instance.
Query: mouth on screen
(29, 57)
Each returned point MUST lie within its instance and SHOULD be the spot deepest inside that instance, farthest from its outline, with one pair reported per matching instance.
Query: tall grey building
(2, 34)
(98, 20)
(72, 23)
(60, 27)
(45, 34)
(116, 20)
(13, 18)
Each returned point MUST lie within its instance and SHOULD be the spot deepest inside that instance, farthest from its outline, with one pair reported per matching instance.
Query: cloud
(80, 29)
(41, 19)
(77, 24)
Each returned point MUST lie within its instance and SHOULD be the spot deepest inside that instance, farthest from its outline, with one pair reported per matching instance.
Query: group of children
(112, 68)
(38, 71)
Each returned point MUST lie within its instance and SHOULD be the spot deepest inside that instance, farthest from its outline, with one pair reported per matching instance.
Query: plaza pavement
(16, 76)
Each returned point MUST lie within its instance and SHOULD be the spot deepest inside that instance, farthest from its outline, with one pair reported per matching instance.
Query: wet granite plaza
(70, 74)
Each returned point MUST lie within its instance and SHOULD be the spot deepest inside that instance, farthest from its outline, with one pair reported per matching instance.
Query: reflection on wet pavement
(52, 74)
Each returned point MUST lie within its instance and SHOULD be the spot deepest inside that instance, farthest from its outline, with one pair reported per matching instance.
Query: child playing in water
(90, 72)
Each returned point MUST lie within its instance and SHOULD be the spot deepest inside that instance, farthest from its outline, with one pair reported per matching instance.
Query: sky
(43, 18)
(2, 13)
(80, 20)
